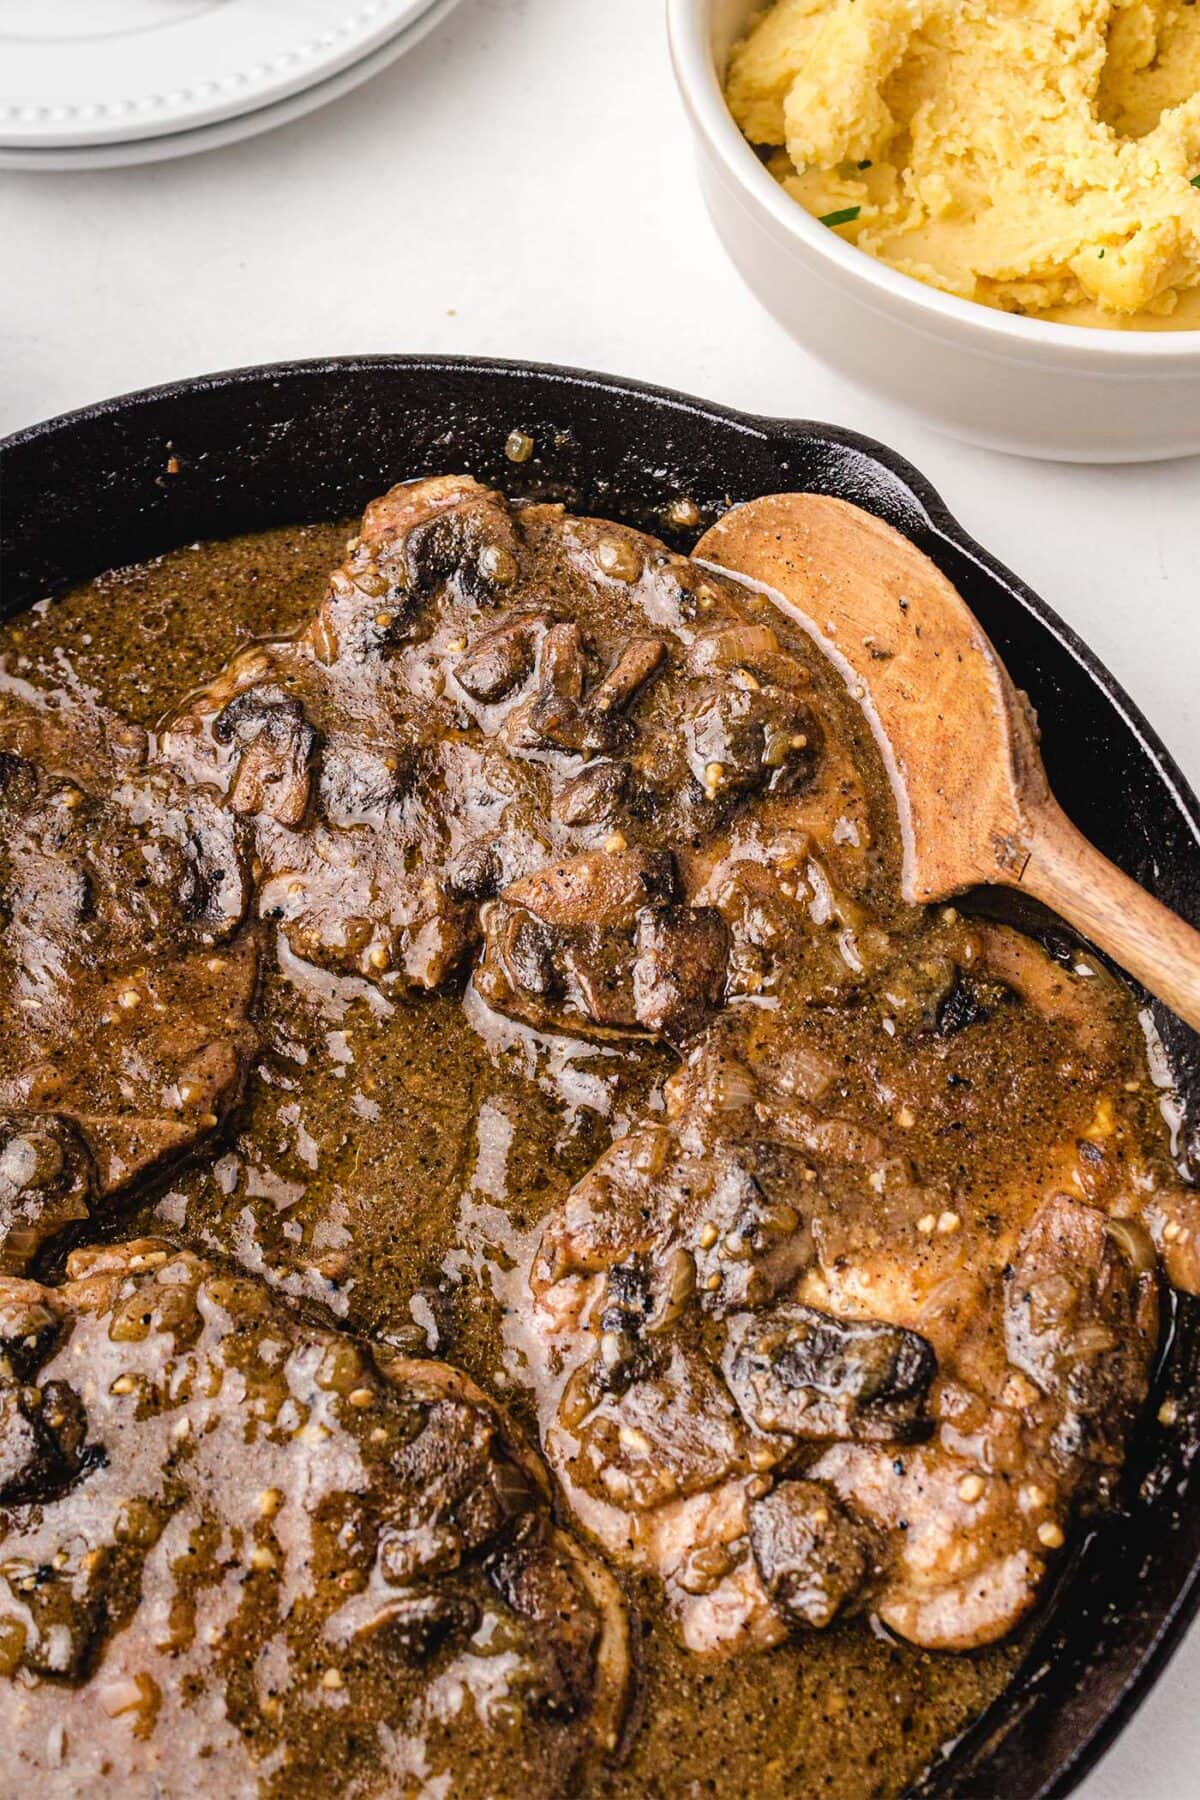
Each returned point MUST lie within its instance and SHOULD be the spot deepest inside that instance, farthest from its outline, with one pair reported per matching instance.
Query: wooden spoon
(958, 740)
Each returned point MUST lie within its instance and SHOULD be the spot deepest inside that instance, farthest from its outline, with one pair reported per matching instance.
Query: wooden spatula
(958, 740)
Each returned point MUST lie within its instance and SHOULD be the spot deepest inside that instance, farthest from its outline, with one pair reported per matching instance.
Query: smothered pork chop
(850, 1315)
(236, 1542)
(128, 965)
(795, 1367)
(543, 737)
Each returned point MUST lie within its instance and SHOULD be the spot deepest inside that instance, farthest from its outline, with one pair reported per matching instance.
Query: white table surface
(522, 185)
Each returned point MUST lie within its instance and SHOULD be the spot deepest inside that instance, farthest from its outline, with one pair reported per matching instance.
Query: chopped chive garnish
(846, 217)
(1100, 253)
(865, 165)
(1195, 181)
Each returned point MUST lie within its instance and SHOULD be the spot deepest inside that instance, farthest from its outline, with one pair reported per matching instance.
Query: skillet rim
(943, 523)
(917, 508)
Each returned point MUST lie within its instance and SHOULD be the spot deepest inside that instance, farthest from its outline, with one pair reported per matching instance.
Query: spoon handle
(1148, 940)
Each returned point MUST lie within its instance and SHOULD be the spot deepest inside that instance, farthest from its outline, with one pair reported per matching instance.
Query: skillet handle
(1148, 940)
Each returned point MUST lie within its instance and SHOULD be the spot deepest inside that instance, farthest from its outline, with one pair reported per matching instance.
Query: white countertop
(522, 185)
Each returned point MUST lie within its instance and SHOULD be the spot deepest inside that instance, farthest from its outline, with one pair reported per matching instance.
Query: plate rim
(222, 133)
(255, 78)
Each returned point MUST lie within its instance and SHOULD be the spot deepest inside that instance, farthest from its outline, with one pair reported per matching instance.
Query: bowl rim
(700, 90)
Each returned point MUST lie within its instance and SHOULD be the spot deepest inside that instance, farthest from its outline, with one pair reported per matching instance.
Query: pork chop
(545, 733)
(792, 1376)
(127, 968)
(235, 1542)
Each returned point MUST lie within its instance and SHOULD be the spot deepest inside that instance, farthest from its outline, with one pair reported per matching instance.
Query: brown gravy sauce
(391, 1164)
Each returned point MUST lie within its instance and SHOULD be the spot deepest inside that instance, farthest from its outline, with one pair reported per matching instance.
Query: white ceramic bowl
(1059, 391)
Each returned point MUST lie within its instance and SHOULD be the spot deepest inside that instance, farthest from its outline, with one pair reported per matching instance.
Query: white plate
(76, 72)
(231, 131)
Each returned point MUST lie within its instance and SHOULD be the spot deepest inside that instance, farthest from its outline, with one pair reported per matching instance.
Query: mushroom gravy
(401, 1160)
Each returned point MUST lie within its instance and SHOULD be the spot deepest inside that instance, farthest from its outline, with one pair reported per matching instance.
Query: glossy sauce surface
(396, 1156)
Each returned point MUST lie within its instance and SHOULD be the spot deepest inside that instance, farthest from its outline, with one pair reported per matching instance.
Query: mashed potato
(1042, 156)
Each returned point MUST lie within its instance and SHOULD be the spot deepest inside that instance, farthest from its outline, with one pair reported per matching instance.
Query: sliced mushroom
(1081, 1322)
(638, 661)
(46, 1183)
(815, 1560)
(796, 1370)
(594, 796)
(491, 667)
(276, 747)
(679, 969)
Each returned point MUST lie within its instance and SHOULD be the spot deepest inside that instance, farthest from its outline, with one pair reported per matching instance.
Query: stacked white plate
(90, 84)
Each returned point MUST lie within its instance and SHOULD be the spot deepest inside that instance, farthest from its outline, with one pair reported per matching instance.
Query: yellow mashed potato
(1037, 155)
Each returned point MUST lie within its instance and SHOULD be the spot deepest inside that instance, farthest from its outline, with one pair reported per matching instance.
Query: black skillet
(122, 481)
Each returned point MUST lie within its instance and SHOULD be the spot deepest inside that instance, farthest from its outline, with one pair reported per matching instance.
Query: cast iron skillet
(122, 481)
